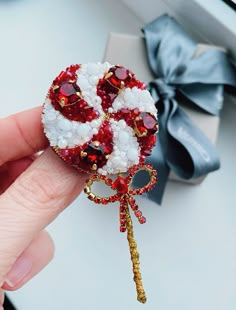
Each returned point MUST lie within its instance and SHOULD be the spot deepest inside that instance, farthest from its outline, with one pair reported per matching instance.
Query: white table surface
(187, 247)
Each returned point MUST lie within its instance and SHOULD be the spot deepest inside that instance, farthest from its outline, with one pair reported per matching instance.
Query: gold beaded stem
(141, 296)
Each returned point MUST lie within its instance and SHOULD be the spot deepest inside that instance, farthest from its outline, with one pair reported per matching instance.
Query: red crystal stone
(145, 124)
(120, 185)
(119, 75)
(95, 155)
(68, 89)
(69, 92)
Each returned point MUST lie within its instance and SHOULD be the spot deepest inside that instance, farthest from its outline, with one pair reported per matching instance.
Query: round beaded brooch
(100, 119)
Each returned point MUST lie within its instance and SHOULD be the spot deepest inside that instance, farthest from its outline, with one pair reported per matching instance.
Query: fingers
(36, 256)
(32, 202)
(24, 135)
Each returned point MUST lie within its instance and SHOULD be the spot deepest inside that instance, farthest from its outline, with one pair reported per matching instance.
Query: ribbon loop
(164, 90)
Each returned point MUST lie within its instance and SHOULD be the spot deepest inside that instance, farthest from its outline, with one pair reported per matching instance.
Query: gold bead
(92, 196)
(108, 75)
(55, 87)
(94, 167)
(96, 143)
(87, 189)
(83, 154)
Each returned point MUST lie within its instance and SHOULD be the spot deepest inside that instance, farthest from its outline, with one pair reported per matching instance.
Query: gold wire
(141, 296)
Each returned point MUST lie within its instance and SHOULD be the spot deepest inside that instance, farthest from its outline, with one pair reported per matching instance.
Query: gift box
(130, 51)
(213, 21)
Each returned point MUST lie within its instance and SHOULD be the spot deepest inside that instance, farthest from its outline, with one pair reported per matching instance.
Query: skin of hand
(33, 191)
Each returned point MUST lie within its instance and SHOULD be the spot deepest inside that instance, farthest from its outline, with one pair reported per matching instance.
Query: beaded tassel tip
(100, 119)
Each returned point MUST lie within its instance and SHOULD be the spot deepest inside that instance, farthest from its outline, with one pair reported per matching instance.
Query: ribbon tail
(190, 153)
(159, 163)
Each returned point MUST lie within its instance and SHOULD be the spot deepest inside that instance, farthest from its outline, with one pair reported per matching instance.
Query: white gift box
(208, 21)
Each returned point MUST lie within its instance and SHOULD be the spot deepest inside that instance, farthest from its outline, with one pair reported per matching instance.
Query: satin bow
(195, 80)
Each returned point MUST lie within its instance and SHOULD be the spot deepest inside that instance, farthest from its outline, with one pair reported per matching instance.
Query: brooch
(102, 120)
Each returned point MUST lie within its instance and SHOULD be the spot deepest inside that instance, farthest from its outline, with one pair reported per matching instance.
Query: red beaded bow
(122, 184)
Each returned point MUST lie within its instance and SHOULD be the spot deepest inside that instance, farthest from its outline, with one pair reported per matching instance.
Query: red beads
(127, 115)
(122, 185)
(98, 145)
(122, 229)
(123, 216)
(108, 87)
(68, 75)
(107, 93)
(147, 143)
(68, 89)
(119, 76)
(142, 220)
(79, 111)
(138, 213)
(93, 155)
(65, 96)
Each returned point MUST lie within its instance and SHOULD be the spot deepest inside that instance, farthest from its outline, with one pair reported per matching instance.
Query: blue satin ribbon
(195, 81)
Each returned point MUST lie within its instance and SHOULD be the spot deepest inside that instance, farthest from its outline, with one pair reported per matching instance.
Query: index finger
(21, 135)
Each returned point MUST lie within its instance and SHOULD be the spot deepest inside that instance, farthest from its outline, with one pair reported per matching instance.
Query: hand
(34, 190)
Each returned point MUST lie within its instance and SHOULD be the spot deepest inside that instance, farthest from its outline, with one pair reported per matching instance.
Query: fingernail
(19, 270)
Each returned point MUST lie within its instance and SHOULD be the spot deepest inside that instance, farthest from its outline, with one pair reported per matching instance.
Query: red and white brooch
(100, 119)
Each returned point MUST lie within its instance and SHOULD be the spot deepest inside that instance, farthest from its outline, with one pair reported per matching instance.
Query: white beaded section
(132, 98)
(88, 77)
(126, 149)
(65, 133)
